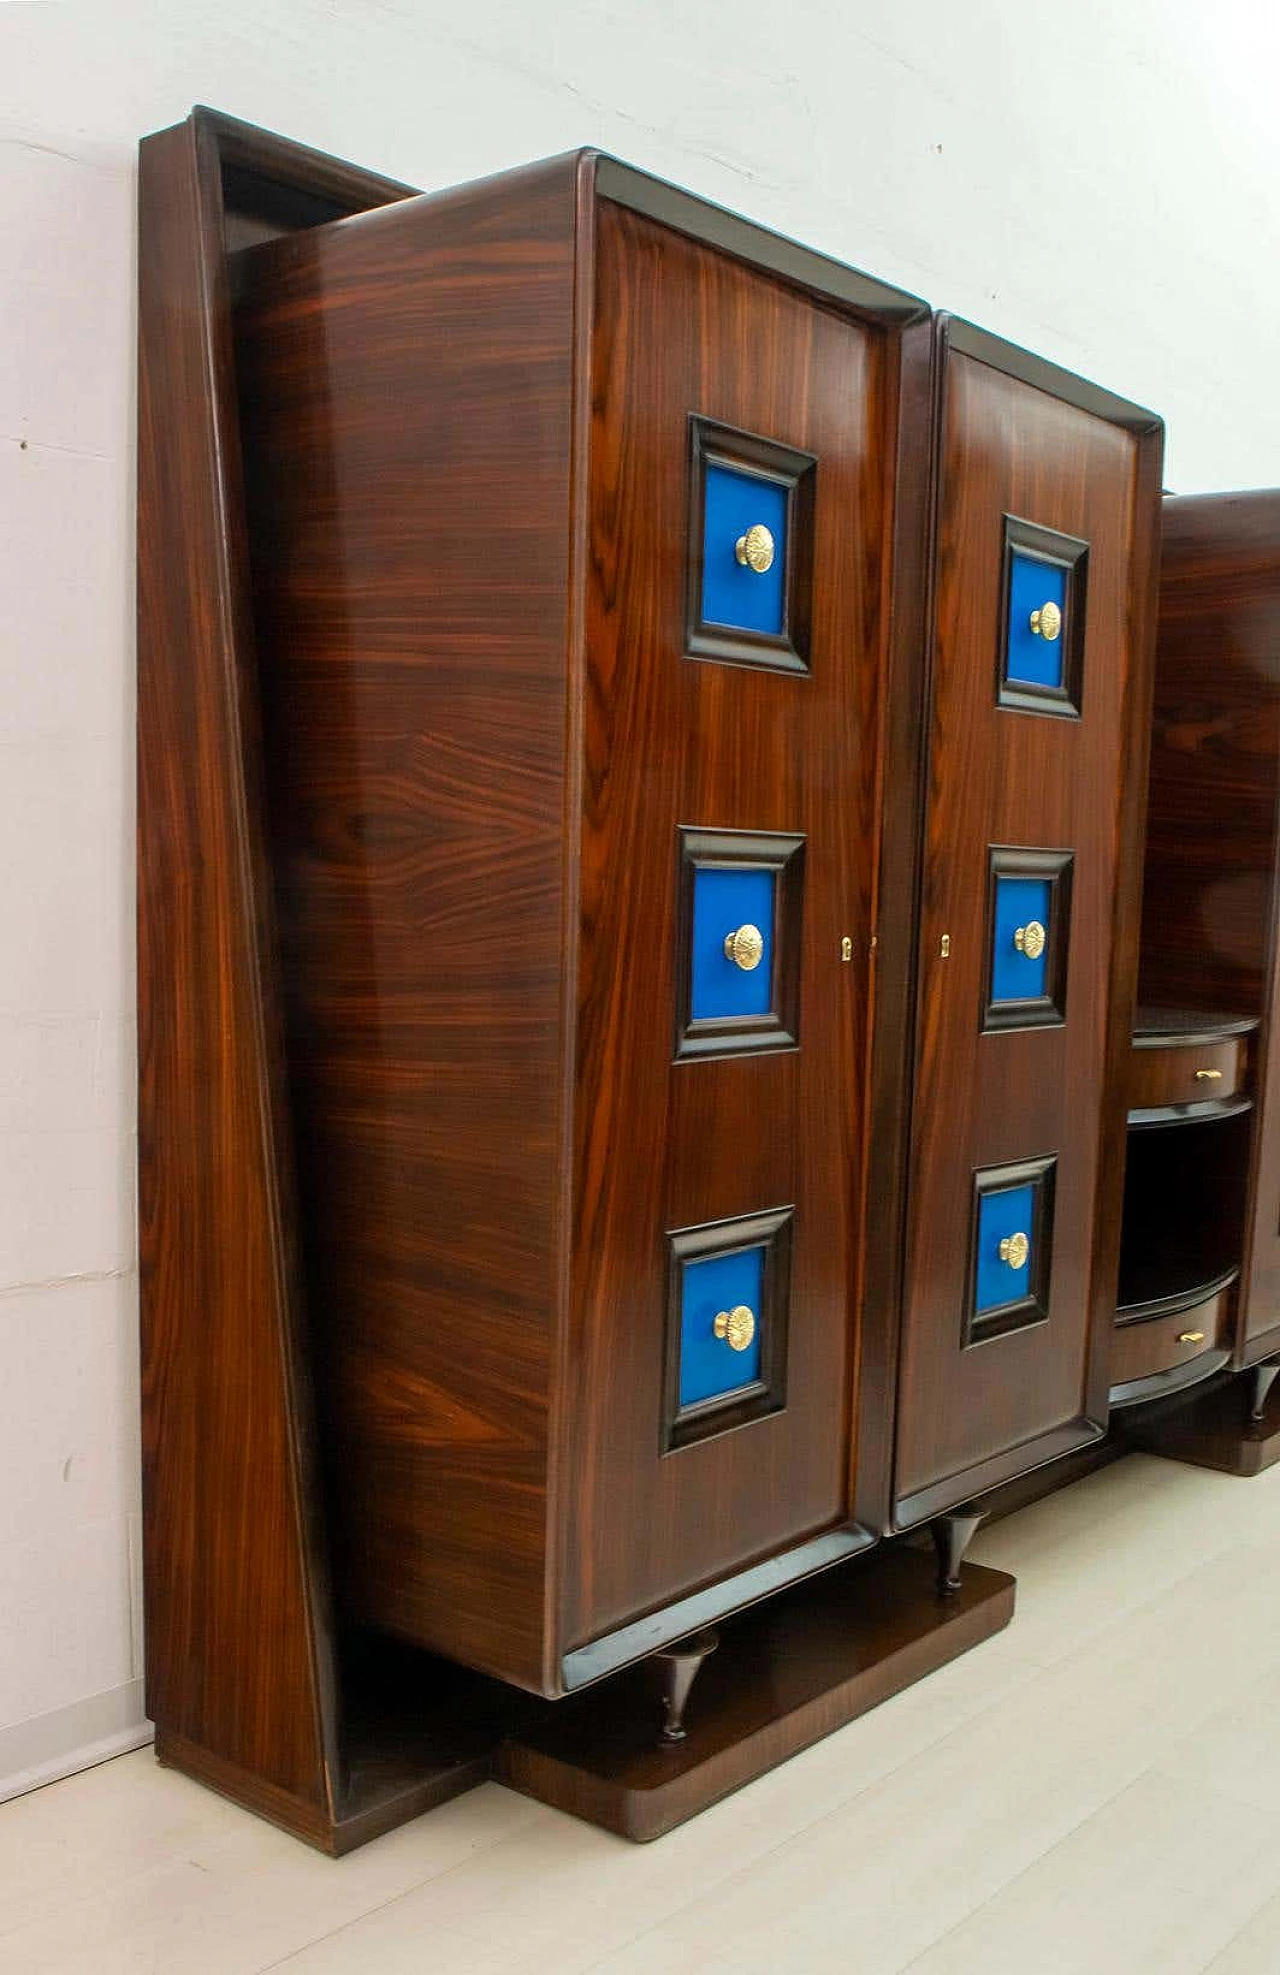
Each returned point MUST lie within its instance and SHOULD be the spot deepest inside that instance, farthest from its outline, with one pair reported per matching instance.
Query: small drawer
(1187, 1072)
(1160, 1344)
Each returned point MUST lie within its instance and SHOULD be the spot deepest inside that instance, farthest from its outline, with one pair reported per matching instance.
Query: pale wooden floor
(1098, 1789)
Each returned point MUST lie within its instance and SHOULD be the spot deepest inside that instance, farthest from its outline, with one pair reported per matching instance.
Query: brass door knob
(1014, 1250)
(1191, 1337)
(1046, 622)
(756, 549)
(737, 1326)
(745, 948)
(1030, 939)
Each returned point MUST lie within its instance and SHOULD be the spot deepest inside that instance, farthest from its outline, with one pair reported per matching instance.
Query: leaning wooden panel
(240, 1678)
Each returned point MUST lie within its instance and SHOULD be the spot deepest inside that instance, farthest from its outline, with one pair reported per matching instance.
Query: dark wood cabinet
(1210, 906)
(539, 741)
(641, 753)
(1047, 499)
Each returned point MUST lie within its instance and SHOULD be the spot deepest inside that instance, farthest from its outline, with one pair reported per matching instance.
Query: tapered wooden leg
(680, 1666)
(952, 1535)
(1262, 1378)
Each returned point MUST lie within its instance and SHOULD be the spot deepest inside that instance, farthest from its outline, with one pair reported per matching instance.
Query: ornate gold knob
(745, 948)
(1191, 1337)
(1046, 622)
(737, 1326)
(1014, 1250)
(756, 550)
(1030, 939)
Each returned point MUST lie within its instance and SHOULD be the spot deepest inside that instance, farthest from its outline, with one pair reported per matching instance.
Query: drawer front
(1189, 1073)
(1160, 1344)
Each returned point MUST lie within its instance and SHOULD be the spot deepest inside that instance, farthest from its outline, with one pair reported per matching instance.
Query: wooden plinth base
(1210, 1428)
(786, 1673)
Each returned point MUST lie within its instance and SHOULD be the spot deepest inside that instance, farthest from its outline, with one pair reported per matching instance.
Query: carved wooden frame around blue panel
(761, 1244)
(1027, 1189)
(719, 1010)
(776, 638)
(1017, 872)
(1041, 566)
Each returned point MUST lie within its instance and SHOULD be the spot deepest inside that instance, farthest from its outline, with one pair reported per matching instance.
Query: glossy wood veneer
(1196, 1072)
(466, 428)
(1209, 935)
(783, 1676)
(1018, 438)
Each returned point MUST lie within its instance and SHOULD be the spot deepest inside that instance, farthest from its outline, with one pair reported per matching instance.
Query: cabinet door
(1043, 563)
(728, 851)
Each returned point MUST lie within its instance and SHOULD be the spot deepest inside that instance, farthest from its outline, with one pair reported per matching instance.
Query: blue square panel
(724, 1287)
(1020, 939)
(1002, 1217)
(733, 593)
(729, 901)
(1032, 659)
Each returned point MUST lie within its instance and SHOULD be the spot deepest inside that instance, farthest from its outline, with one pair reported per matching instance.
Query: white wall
(1095, 179)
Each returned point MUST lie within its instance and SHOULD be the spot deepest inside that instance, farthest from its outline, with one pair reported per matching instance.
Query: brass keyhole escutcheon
(756, 549)
(1030, 939)
(1014, 1250)
(736, 1327)
(745, 948)
(846, 948)
(1046, 622)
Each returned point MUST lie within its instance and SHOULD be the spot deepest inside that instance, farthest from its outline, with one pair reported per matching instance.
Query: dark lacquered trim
(1159, 1384)
(1043, 1011)
(732, 1594)
(1180, 1300)
(779, 1026)
(1000, 1319)
(686, 213)
(970, 1484)
(711, 443)
(682, 1426)
(1188, 1114)
(985, 347)
(1068, 553)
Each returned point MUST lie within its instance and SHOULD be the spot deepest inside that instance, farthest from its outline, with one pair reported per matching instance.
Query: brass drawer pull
(1209, 1076)
(745, 948)
(1046, 622)
(1191, 1337)
(756, 550)
(737, 1327)
(1014, 1250)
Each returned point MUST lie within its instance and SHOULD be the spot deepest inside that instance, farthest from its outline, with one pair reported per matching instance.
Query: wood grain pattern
(785, 1674)
(1209, 915)
(237, 1659)
(972, 1418)
(407, 390)
(671, 741)
(466, 427)
(1174, 1074)
(1139, 1349)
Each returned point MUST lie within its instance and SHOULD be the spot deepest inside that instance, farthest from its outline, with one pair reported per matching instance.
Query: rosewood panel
(1017, 441)
(676, 741)
(407, 391)
(1209, 915)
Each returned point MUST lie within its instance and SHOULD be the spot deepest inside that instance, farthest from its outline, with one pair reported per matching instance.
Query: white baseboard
(33, 1753)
